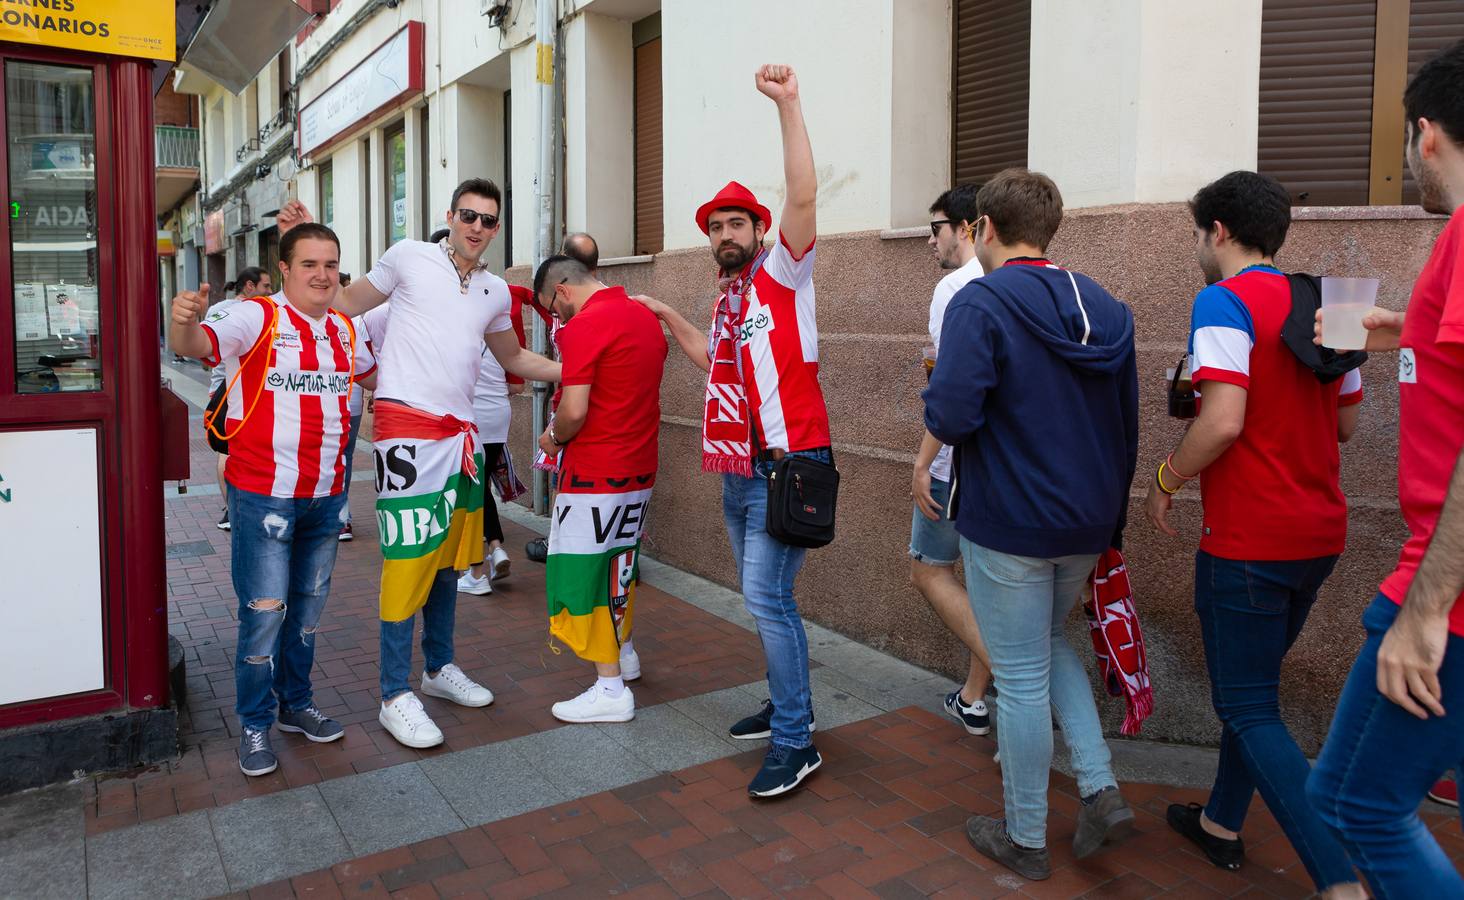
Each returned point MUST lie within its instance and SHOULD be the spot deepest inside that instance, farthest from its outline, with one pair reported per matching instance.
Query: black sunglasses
(469, 216)
(935, 226)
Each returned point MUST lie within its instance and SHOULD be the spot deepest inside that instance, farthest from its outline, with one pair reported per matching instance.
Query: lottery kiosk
(83, 654)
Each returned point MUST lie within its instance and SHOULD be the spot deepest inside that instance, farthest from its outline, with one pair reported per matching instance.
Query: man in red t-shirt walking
(605, 434)
(1265, 450)
(1392, 736)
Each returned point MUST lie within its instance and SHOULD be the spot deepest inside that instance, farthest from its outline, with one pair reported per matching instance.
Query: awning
(231, 41)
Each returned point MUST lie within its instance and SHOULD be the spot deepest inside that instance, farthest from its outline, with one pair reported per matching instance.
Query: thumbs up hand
(189, 306)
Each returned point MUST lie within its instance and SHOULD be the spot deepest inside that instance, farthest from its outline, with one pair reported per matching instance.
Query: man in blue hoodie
(1037, 391)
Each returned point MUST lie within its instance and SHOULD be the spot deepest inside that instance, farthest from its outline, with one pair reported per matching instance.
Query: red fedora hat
(733, 195)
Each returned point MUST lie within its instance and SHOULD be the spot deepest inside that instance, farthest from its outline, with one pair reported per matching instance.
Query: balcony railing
(175, 147)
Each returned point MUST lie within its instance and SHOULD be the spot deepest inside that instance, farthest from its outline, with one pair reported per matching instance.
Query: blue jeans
(284, 550)
(1377, 764)
(1020, 603)
(766, 568)
(438, 616)
(1250, 615)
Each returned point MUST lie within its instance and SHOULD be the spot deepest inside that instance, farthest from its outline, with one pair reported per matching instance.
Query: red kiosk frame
(124, 411)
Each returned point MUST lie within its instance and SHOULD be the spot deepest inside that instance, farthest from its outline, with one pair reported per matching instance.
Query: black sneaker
(224, 522)
(312, 723)
(256, 756)
(1185, 819)
(784, 770)
(537, 551)
(974, 717)
(759, 725)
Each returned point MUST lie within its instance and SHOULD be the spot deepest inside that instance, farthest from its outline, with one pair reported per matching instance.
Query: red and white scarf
(726, 422)
(1113, 624)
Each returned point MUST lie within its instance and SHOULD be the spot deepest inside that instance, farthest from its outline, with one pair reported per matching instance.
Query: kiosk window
(49, 112)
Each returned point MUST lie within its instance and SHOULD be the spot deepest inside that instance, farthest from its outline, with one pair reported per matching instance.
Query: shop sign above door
(382, 80)
(142, 28)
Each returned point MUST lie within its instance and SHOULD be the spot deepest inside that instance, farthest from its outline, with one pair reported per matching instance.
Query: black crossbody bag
(802, 496)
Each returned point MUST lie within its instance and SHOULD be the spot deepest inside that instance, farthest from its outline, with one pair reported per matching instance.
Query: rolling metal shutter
(1316, 98)
(649, 225)
(990, 66)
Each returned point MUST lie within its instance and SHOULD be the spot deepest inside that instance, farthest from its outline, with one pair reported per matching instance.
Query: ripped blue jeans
(284, 551)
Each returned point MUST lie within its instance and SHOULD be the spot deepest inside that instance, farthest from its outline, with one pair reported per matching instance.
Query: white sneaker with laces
(629, 663)
(467, 584)
(453, 684)
(594, 705)
(409, 723)
(500, 562)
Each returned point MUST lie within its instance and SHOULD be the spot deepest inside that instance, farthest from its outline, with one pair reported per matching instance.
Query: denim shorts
(935, 543)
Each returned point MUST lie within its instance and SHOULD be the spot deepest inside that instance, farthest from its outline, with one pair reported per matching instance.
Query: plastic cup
(1345, 301)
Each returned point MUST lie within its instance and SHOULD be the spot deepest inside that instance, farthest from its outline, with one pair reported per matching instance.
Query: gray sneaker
(312, 723)
(256, 756)
(1104, 819)
(989, 837)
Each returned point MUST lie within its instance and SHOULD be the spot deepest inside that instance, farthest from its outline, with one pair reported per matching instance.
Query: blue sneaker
(312, 723)
(759, 725)
(256, 756)
(784, 770)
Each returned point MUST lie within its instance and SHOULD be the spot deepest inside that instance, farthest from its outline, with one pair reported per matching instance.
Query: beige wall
(599, 99)
(1140, 102)
(873, 298)
(850, 55)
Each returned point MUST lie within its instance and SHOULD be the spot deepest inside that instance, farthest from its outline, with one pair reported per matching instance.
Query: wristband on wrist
(554, 440)
(1169, 461)
(1159, 480)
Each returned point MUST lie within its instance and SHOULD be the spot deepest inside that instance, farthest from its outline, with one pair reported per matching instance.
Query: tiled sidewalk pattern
(884, 817)
(516, 804)
(501, 639)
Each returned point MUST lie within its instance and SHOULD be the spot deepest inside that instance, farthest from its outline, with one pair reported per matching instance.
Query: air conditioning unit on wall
(237, 219)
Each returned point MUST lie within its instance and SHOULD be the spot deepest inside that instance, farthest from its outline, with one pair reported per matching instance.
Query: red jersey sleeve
(579, 351)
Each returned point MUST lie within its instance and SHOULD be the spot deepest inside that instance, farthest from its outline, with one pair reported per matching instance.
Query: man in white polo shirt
(934, 544)
(430, 472)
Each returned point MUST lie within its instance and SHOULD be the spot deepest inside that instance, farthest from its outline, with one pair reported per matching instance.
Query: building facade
(1130, 106)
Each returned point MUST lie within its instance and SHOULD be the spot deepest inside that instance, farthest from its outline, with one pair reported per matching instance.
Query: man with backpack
(292, 360)
(1264, 447)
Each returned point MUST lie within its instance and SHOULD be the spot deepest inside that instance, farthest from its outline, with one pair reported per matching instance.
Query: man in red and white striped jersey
(763, 402)
(291, 363)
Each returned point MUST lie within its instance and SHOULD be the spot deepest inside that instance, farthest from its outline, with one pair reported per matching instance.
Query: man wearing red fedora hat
(763, 402)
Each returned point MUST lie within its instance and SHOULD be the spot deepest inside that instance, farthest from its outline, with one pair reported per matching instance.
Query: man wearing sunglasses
(430, 471)
(934, 544)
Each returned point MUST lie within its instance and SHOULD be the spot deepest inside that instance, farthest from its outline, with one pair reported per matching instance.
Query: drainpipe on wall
(545, 12)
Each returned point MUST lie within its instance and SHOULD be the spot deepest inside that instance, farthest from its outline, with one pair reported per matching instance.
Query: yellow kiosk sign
(142, 28)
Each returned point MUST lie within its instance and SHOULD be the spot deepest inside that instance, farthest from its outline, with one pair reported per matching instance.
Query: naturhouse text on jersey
(314, 383)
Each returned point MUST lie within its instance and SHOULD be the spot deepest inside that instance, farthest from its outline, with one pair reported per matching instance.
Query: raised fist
(291, 214)
(189, 306)
(778, 83)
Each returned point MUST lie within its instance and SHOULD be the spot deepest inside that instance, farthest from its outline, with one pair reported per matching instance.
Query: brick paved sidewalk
(883, 817)
(501, 639)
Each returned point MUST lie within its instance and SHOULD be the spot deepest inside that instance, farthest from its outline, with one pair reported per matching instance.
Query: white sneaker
(594, 705)
(629, 663)
(467, 584)
(409, 723)
(453, 684)
(500, 562)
